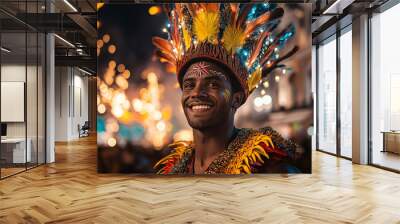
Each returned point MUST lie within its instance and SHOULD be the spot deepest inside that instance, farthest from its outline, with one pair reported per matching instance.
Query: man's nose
(198, 90)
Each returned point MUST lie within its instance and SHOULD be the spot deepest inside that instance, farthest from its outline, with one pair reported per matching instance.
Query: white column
(50, 92)
(360, 90)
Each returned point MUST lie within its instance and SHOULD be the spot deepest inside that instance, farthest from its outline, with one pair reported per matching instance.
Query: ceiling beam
(337, 7)
(80, 61)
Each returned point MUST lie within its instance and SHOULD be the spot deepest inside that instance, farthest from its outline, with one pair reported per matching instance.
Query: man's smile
(199, 106)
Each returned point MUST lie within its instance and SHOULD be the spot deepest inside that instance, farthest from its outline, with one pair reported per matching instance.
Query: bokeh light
(121, 68)
(126, 74)
(106, 38)
(101, 108)
(142, 118)
(112, 64)
(112, 48)
(112, 142)
(100, 43)
(154, 10)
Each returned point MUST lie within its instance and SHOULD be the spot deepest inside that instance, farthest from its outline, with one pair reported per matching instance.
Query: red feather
(273, 150)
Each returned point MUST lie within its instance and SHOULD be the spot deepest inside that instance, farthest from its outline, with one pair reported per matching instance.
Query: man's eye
(213, 84)
(188, 85)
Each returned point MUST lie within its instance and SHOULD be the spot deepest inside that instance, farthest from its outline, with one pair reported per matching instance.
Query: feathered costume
(244, 39)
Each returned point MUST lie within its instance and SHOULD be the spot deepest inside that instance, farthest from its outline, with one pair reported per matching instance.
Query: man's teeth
(201, 107)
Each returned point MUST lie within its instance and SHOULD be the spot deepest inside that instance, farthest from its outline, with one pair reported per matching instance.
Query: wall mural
(204, 88)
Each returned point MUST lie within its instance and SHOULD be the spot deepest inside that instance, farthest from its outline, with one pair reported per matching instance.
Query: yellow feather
(236, 171)
(254, 80)
(251, 161)
(261, 151)
(259, 157)
(253, 156)
(162, 161)
(186, 37)
(206, 26)
(267, 141)
(233, 38)
(246, 160)
(246, 169)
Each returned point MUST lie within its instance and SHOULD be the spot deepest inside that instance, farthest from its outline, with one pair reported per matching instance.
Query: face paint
(201, 70)
(198, 70)
(227, 95)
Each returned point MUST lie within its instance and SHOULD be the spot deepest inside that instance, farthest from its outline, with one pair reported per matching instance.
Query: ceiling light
(5, 50)
(65, 41)
(70, 5)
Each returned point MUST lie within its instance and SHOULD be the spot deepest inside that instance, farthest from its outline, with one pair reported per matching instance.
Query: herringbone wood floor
(70, 191)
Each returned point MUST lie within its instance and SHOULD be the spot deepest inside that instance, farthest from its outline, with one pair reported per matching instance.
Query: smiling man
(220, 57)
(209, 106)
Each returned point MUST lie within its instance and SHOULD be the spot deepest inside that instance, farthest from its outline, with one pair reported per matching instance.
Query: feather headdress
(242, 37)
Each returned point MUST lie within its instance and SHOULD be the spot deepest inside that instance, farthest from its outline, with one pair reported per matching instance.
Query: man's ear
(237, 99)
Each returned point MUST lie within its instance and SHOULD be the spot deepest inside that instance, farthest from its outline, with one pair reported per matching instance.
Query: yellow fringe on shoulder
(251, 153)
(178, 149)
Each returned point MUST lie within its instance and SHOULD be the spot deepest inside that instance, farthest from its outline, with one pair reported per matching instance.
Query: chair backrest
(86, 125)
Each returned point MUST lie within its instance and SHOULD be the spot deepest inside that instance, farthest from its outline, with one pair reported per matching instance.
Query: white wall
(61, 103)
(71, 93)
(33, 127)
(16, 73)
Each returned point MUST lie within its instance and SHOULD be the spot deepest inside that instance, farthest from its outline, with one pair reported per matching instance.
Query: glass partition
(13, 94)
(31, 97)
(22, 88)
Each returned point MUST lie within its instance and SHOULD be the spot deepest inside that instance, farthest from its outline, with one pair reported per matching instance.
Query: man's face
(207, 95)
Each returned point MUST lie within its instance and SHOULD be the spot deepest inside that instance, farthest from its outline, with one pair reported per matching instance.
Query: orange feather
(235, 12)
(257, 48)
(162, 43)
(213, 7)
(251, 26)
(167, 58)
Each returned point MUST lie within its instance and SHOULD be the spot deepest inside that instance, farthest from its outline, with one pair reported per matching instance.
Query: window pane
(327, 96)
(385, 83)
(345, 94)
